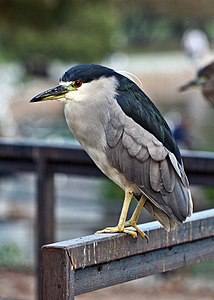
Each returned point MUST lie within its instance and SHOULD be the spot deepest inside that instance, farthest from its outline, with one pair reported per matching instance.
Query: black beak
(55, 93)
(188, 85)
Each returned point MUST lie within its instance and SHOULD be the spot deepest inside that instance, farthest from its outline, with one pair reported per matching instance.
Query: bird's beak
(55, 93)
(188, 85)
(196, 82)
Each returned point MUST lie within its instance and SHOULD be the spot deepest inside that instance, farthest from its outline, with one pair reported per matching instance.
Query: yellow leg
(121, 224)
(135, 216)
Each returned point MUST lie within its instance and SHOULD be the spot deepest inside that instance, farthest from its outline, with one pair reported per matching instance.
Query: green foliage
(11, 255)
(210, 30)
(159, 24)
(66, 30)
(111, 192)
(204, 269)
(209, 195)
(86, 31)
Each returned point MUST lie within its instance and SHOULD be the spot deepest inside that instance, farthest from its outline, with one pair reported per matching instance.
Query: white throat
(93, 90)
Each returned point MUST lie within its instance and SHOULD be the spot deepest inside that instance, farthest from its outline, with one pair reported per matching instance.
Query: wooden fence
(45, 160)
(93, 262)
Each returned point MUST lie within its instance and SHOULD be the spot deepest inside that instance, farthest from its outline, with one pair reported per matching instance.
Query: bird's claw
(130, 232)
(141, 233)
(117, 230)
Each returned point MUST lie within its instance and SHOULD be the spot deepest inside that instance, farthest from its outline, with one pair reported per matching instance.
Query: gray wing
(144, 161)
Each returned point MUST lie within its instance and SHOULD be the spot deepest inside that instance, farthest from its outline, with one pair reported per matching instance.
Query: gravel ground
(176, 286)
(17, 285)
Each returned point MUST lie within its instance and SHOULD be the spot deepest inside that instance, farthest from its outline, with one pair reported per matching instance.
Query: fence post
(57, 275)
(45, 215)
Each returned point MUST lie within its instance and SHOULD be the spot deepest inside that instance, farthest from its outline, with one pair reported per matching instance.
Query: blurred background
(163, 43)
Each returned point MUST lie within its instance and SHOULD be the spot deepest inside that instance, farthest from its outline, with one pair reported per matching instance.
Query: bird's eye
(77, 84)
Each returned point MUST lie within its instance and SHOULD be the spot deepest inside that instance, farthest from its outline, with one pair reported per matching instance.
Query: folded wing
(147, 163)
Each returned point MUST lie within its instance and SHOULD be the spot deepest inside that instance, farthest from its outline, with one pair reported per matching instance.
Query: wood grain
(99, 261)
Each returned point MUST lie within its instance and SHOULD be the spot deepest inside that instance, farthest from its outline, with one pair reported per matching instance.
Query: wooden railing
(48, 159)
(93, 262)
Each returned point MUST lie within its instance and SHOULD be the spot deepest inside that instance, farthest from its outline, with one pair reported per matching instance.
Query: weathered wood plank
(98, 261)
(21, 156)
(142, 265)
(96, 249)
(57, 276)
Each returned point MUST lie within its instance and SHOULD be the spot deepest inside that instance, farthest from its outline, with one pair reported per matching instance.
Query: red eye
(77, 84)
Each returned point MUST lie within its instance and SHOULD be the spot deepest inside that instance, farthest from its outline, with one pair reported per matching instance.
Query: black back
(133, 101)
(137, 105)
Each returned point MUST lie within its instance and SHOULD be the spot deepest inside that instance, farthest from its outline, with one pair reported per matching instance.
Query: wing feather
(155, 176)
(168, 175)
(163, 218)
(144, 161)
(114, 134)
(157, 151)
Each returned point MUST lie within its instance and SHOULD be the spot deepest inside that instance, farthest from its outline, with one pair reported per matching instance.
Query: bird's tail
(161, 216)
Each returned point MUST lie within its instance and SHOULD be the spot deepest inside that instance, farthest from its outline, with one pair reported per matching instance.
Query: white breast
(87, 115)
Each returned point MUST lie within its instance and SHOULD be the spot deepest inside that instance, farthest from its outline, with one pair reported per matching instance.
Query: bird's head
(203, 76)
(80, 82)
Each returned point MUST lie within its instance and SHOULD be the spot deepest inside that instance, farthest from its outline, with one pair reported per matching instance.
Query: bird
(204, 79)
(126, 136)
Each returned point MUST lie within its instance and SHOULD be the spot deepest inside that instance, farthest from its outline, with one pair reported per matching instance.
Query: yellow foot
(133, 224)
(117, 230)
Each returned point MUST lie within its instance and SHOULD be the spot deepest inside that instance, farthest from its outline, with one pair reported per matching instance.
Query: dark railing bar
(23, 156)
(45, 209)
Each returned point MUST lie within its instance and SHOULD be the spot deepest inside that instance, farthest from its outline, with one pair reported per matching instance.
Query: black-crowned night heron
(205, 79)
(128, 139)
